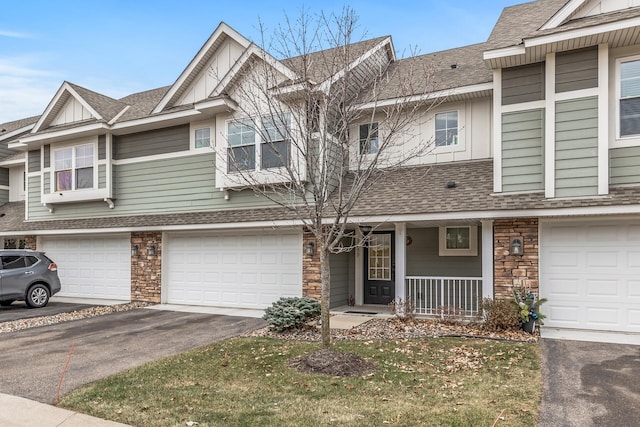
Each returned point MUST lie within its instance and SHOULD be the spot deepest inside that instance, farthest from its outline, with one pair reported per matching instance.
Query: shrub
(288, 313)
(500, 314)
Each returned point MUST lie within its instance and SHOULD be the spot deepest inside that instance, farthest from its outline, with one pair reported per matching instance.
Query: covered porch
(442, 268)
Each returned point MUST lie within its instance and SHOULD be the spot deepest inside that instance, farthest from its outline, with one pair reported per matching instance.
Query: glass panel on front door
(380, 257)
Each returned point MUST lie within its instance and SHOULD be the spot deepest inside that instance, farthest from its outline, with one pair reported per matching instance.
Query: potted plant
(529, 309)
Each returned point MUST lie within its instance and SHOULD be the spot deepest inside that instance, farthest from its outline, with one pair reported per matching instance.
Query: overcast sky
(119, 47)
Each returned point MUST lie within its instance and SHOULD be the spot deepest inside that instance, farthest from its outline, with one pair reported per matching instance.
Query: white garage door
(590, 272)
(247, 271)
(92, 266)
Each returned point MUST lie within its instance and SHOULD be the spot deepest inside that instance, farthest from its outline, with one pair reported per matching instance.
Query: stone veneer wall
(146, 270)
(514, 271)
(311, 281)
(30, 242)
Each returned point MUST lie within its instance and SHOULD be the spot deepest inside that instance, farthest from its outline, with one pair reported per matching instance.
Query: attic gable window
(446, 129)
(369, 142)
(74, 167)
(629, 92)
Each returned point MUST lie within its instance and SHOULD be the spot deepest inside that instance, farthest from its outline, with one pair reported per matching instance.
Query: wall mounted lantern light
(366, 229)
(134, 250)
(516, 247)
(151, 250)
(309, 248)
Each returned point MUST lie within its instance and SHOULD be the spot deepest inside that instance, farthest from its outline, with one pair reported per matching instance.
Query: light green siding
(523, 84)
(47, 182)
(576, 147)
(423, 257)
(179, 184)
(523, 151)
(4, 196)
(102, 176)
(624, 166)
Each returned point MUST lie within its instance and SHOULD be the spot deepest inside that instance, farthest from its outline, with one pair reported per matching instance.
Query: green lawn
(247, 382)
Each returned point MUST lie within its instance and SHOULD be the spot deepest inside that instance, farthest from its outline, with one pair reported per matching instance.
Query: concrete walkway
(20, 412)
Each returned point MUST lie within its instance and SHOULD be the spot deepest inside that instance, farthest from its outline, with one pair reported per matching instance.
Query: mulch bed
(334, 363)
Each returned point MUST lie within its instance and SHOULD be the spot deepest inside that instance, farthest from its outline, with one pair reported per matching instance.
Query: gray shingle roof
(142, 103)
(590, 21)
(17, 124)
(107, 107)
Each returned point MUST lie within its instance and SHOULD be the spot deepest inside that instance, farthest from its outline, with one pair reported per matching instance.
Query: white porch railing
(445, 296)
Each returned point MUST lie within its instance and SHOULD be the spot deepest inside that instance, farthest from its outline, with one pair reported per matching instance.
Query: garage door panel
(92, 266)
(589, 272)
(247, 270)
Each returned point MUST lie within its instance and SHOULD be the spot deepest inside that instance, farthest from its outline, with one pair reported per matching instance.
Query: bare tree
(331, 117)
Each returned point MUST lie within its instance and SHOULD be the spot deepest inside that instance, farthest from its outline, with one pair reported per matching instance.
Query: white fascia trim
(324, 86)
(65, 87)
(16, 132)
(463, 90)
(563, 14)
(221, 102)
(4, 187)
(514, 213)
(260, 225)
(63, 133)
(117, 116)
(223, 28)
(503, 52)
(582, 32)
(524, 106)
(155, 119)
(13, 162)
(259, 53)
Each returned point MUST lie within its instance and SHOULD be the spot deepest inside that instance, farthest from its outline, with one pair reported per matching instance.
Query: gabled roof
(221, 33)
(101, 107)
(16, 128)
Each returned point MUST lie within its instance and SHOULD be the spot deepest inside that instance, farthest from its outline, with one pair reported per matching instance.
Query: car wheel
(37, 296)
(6, 303)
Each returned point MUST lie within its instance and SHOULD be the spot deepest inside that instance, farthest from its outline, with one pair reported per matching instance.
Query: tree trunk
(325, 278)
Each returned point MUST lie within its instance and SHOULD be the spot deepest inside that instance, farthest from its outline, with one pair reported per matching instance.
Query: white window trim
(460, 145)
(52, 168)
(360, 153)
(193, 127)
(622, 141)
(473, 241)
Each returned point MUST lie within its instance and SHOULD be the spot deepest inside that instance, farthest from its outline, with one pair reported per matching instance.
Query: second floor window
(369, 142)
(270, 143)
(630, 98)
(446, 129)
(202, 138)
(73, 168)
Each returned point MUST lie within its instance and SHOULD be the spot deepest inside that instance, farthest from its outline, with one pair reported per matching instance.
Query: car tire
(6, 303)
(37, 296)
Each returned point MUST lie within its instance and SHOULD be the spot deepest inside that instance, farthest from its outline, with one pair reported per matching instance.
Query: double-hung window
(369, 142)
(629, 107)
(275, 145)
(270, 142)
(446, 129)
(74, 167)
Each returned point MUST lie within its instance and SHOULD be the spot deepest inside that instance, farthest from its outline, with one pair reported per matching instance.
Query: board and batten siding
(180, 184)
(158, 141)
(576, 152)
(423, 257)
(576, 70)
(624, 166)
(523, 84)
(523, 151)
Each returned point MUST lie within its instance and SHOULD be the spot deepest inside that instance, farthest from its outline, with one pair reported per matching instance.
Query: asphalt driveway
(19, 310)
(33, 360)
(589, 384)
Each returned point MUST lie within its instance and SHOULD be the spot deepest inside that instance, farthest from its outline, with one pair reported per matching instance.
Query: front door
(379, 266)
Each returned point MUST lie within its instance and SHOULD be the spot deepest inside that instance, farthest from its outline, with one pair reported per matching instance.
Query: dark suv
(28, 276)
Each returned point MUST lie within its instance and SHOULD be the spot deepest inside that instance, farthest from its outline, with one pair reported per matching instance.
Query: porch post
(359, 267)
(487, 258)
(401, 260)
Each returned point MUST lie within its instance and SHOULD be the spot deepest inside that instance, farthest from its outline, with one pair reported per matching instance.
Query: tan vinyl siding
(523, 84)
(577, 147)
(577, 70)
(423, 257)
(182, 184)
(158, 141)
(33, 160)
(624, 166)
(523, 151)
